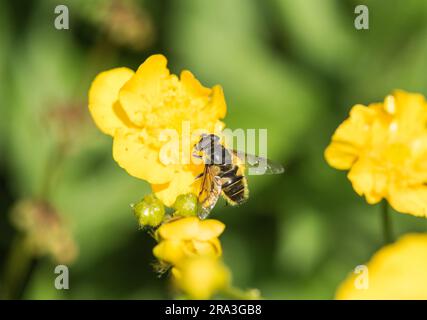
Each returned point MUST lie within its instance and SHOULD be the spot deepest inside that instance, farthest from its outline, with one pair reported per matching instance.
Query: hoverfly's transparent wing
(210, 190)
(258, 165)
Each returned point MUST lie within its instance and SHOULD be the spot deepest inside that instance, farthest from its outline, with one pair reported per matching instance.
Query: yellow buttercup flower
(188, 237)
(201, 277)
(384, 145)
(398, 271)
(138, 109)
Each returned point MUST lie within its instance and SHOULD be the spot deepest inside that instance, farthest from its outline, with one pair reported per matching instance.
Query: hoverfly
(223, 173)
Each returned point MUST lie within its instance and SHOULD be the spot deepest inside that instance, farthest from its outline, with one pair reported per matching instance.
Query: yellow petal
(138, 159)
(182, 183)
(410, 111)
(209, 229)
(341, 155)
(144, 90)
(349, 138)
(397, 271)
(192, 85)
(201, 277)
(176, 273)
(170, 251)
(218, 101)
(366, 181)
(204, 248)
(181, 229)
(217, 246)
(411, 200)
(103, 100)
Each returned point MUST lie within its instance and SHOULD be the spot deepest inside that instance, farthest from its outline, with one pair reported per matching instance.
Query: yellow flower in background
(201, 277)
(137, 108)
(384, 147)
(188, 237)
(398, 271)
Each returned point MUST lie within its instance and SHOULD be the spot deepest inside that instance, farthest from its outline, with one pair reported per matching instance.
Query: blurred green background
(293, 67)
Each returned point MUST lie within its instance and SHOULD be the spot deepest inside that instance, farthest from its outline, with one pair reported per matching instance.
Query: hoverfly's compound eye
(200, 145)
(208, 139)
(205, 141)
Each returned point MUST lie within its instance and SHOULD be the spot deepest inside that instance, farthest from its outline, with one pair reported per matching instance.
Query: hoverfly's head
(206, 140)
(205, 143)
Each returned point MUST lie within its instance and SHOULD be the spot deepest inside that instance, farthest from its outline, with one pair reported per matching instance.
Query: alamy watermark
(62, 281)
(62, 20)
(361, 282)
(361, 22)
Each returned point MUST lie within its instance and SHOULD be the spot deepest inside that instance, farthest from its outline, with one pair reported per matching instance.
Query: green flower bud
(150, 211)
(186, 205)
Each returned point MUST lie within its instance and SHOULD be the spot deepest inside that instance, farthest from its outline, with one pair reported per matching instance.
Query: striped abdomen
(233, 183)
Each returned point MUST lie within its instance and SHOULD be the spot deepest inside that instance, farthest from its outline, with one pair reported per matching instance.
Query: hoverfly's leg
(195, 155)
(199, 176)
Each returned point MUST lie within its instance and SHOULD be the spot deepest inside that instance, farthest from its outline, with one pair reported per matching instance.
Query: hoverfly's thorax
(217, 155)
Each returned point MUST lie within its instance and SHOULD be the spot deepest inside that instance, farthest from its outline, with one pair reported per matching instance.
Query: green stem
(20, 263)
(16, 271)
(239, 294)
(53, 166)
(386, 223)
